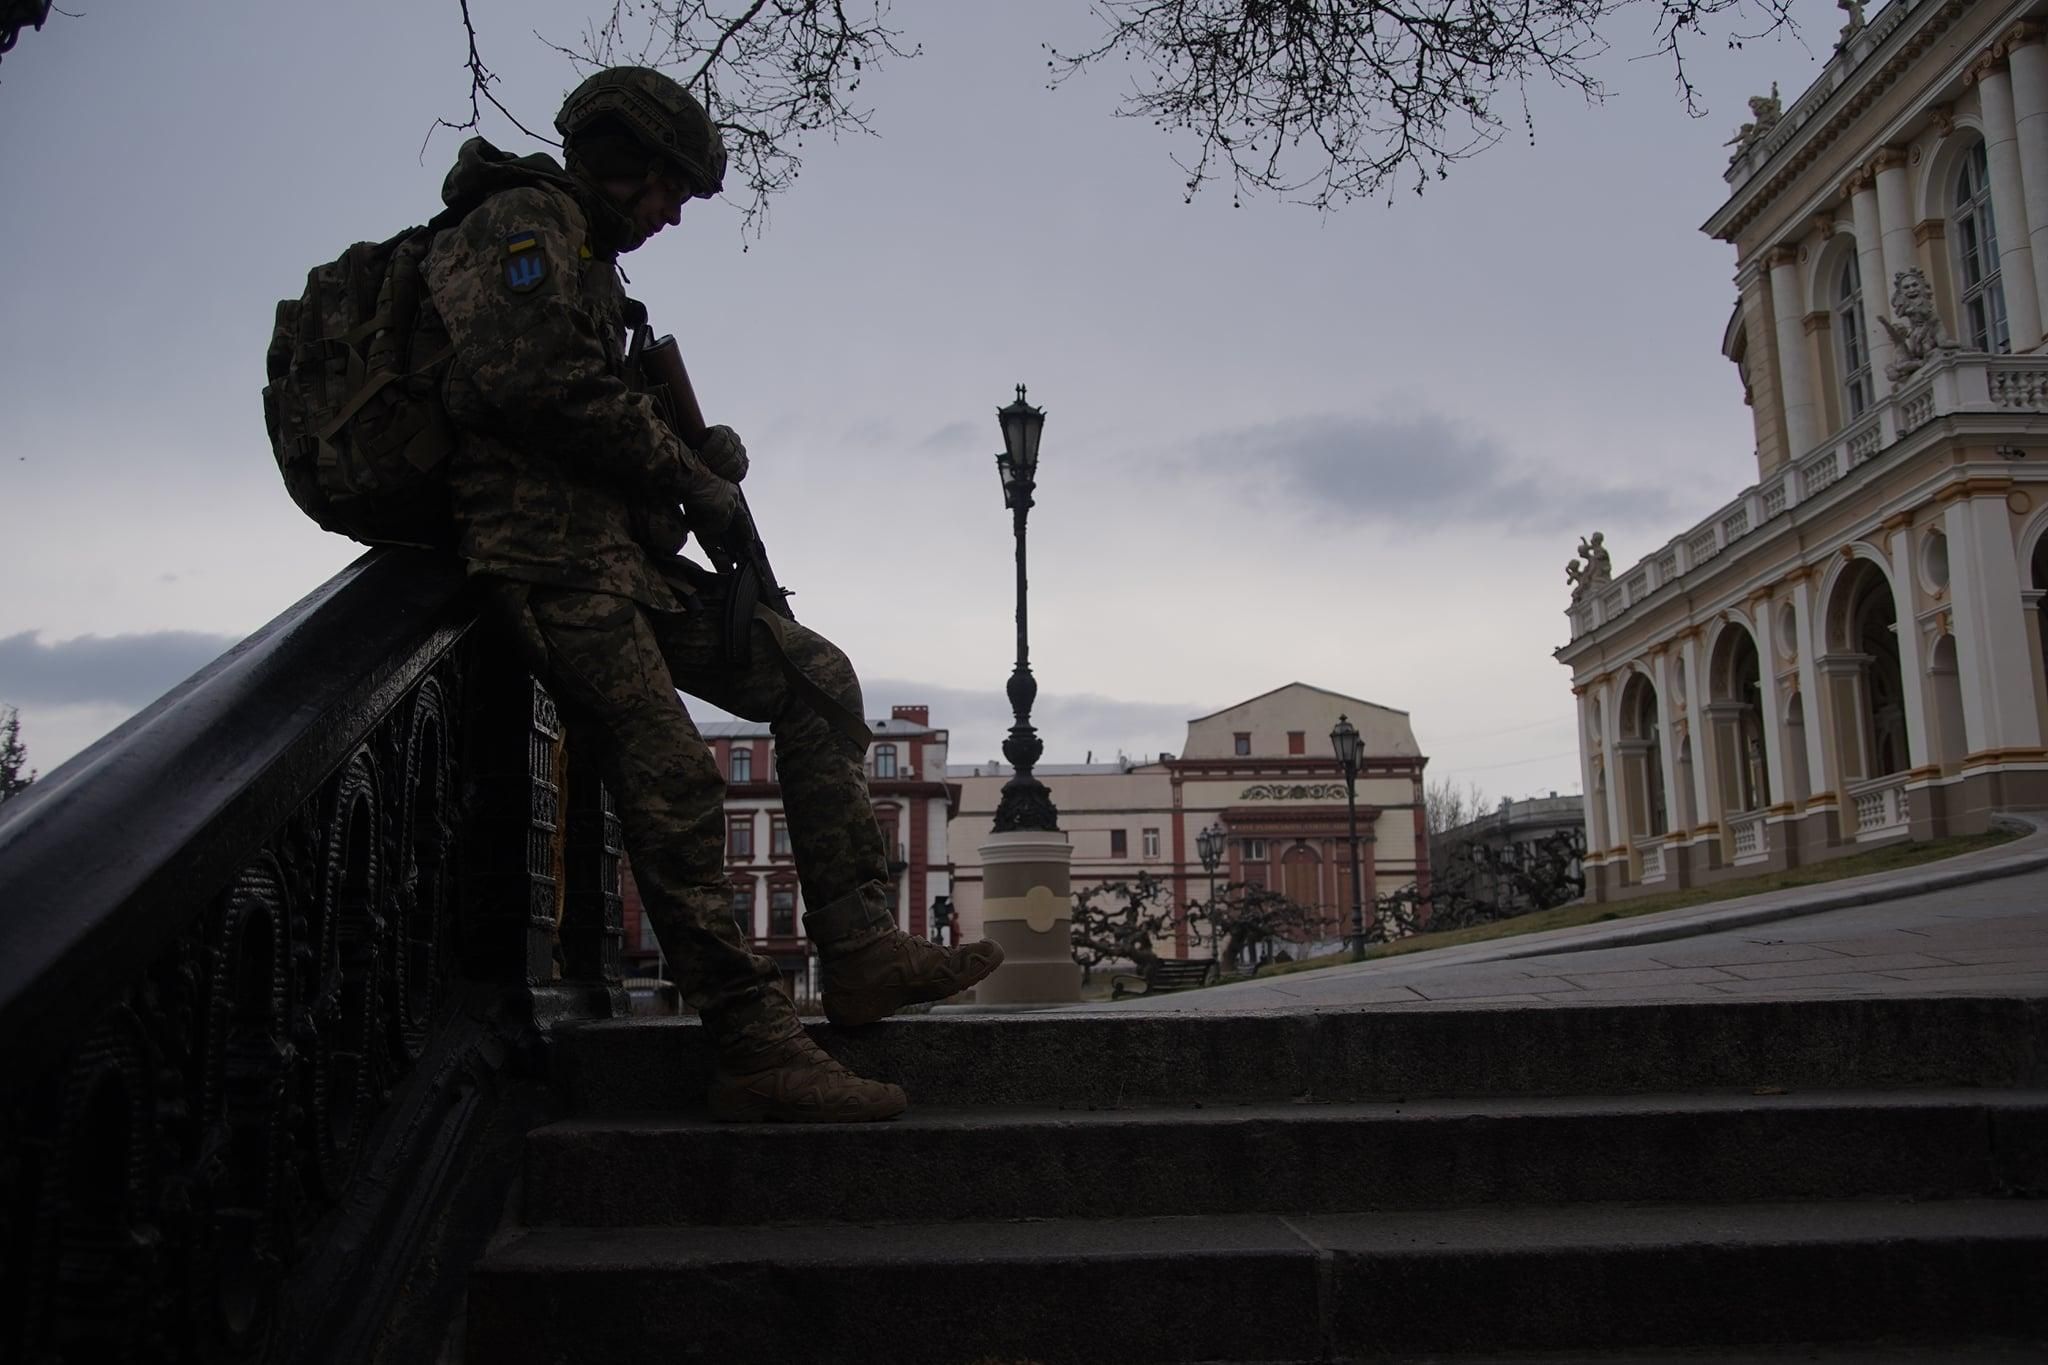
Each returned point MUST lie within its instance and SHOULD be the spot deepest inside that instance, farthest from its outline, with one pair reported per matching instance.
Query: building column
(1912, 654)
(1610, 735)
(1703, 812)
(1589, 744)
(1777, 758)
(1667, 730)
(1877, 285)
(2008, 203)
(1990, 626)
(1894, 224)
(1821, 772)
(1795, 376)
(2027, 62)
(2031, 607)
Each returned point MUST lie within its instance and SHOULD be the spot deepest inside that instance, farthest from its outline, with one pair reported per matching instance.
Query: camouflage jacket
(562, 474)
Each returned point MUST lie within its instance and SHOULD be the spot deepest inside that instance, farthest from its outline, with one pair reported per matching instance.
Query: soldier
(572, 499)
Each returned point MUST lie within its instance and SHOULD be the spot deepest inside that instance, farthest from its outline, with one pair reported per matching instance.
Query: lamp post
(1344, 741)
(1209, 845)
(1025, 804)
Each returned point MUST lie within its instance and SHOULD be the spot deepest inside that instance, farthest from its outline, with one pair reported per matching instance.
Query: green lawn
(1883, 858)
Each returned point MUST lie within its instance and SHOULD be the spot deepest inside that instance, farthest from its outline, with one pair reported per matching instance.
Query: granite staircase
(1424, 1184)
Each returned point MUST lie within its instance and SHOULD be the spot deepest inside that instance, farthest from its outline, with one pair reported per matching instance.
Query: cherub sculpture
(1854, 9)
(1764, 113)
(1919, 338)
(1598, 568)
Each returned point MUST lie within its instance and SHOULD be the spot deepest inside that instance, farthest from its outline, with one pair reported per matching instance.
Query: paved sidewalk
(1977, 924)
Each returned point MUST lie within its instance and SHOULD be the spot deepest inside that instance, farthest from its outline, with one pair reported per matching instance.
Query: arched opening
(1951, 737)
(1980, 289)
(1644, 810)
(2039, 580)
(1866, 693)
(1798, 770)
(1852, 352)
(1737, 715)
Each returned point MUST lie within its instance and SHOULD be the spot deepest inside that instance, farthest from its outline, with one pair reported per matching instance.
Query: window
(772, 775)
(1297, 741)
(1855, 354)
(1243, 743)
(743, 908)
(1255, 851)
(1119, 844)
(885, 760)
(778, 837)
(739, 836)
(1983, 302)
(782, 911)
(1151, 843)
(742, 764)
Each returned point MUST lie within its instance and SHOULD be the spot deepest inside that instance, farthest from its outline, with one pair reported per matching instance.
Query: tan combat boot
(870, 968)
(769, 1071)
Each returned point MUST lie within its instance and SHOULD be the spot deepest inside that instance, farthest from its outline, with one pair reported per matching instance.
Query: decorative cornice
(1796, 575)
(1988, 61)
(1820, 320)
(1985, 486)
(1785, 253)
(1822, 134)
(2020, 34)
(1942, 118)
(1853, 184)
(1929, 230)
(1897, 521)
(1887, 158)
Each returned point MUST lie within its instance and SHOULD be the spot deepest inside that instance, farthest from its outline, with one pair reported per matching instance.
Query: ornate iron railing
(275, 957)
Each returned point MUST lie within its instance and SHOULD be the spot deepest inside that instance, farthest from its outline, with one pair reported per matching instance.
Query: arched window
(1976, 236)
(1855, 353)
(742, 763)
(885, 760)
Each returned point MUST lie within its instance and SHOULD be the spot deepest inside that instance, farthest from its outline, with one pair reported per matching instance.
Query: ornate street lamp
(1209, 845)
(1344, 741)
(1025, 804)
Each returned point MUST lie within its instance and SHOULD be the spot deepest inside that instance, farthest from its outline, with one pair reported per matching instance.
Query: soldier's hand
(723, 453)
(711, 506)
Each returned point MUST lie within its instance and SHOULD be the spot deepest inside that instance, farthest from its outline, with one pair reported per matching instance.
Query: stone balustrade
(1954, 383)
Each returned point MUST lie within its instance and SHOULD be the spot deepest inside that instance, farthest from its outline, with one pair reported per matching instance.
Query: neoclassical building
(1851, 649)
(1263, 773)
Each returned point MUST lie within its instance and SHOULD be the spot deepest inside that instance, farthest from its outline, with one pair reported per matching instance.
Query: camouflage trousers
(615, 667)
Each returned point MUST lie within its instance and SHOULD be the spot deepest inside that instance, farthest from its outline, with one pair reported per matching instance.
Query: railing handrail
(164, 810)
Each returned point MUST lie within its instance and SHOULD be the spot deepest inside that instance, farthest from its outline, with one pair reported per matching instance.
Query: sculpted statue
(1854, 9)
(1764, 113)
(1597, 570)
(1917, 335)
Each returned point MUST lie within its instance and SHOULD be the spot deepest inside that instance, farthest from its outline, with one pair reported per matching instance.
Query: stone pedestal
(1027, 907)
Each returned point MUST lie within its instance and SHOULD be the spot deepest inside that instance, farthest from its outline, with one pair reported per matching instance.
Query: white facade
(1263, 772)
(1850, 650)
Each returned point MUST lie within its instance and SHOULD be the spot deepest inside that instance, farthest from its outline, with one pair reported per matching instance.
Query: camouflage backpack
(354, 404)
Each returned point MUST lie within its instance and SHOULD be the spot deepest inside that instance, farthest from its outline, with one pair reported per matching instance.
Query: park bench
(1165, 974)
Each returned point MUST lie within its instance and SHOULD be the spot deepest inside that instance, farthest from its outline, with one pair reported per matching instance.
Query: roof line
(1340, 696)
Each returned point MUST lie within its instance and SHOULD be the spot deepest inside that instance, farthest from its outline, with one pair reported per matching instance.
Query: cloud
(952, 438)
(126, 670)
(1420, 467)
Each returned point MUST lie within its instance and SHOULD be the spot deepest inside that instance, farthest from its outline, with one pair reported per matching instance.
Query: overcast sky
(1353, 450)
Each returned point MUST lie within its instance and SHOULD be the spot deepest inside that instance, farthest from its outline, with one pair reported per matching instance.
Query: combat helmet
(662, 116)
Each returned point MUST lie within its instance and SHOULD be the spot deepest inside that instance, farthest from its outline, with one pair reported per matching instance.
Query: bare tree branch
(481, 79)
(1325, 101)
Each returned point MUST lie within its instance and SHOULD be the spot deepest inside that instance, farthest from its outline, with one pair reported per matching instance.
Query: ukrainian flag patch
(526, 265)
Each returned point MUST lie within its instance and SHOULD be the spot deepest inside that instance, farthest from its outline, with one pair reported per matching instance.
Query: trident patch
(526, 265)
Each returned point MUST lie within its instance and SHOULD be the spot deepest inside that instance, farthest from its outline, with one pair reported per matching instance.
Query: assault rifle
(736, 552)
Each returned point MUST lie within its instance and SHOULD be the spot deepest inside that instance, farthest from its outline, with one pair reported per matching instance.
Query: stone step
(1055, 1060)
(937, 1164)
(1266, 1288)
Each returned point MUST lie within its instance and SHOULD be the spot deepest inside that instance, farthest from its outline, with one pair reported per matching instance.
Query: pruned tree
(1316, 101)
(15, 774)
(1460, 878)
(1120, 922)
(1543, 875)
(1246, 917)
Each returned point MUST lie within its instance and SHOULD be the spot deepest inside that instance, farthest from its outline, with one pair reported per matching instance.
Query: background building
(913, 801)
(1472, 854)
(1852, 648)
(1261, 770)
